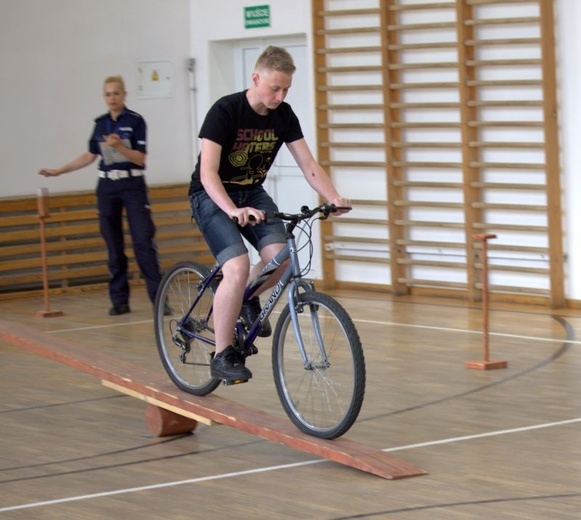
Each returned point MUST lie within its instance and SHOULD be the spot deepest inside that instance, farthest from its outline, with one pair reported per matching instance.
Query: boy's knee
(236, 269)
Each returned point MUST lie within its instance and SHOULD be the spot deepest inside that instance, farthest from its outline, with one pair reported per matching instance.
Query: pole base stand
(486, 365)
(49, 314)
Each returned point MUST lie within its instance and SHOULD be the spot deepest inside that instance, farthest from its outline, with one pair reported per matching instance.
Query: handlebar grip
(331, 208)
(252, 218)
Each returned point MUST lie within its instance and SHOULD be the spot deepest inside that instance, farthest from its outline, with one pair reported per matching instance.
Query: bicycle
(317, 357)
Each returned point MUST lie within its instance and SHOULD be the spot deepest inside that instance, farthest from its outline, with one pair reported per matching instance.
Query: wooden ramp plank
(156, 388)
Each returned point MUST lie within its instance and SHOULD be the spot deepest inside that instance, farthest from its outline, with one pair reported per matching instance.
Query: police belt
(115, 175)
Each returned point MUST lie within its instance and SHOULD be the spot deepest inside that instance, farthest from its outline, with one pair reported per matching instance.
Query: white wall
(54, 56)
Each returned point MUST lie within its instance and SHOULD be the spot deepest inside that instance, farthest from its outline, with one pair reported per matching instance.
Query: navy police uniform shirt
(130, 127)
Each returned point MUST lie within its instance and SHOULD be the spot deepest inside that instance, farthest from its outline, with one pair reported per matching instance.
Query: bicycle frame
(291, 279)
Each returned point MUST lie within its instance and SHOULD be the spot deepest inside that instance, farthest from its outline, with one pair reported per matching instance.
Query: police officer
(119, 138)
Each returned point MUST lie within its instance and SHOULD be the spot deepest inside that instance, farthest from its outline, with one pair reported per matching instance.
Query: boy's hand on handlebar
(343, 205)
(245, 216)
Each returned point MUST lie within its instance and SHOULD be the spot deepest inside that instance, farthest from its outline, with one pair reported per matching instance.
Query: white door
(285, 182)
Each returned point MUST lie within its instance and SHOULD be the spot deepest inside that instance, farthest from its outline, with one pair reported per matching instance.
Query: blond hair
(276, 58)
(115, 79)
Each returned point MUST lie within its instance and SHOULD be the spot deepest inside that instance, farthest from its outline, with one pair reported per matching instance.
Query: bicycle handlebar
(305, 214)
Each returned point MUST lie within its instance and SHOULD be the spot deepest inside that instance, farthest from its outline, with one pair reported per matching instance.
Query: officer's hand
(48, 172)
(113, 140)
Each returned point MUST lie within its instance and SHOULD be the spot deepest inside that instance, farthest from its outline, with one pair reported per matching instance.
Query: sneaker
(249, 314)
(117, 310)
(228, 366)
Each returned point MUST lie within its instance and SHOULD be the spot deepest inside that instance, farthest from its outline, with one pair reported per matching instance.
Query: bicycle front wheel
(186, 358)
(322, 394)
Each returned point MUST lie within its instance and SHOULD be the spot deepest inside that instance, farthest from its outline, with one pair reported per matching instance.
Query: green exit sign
(257, 16)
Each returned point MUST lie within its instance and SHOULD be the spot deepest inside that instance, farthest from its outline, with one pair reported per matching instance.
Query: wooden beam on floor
(156, 389)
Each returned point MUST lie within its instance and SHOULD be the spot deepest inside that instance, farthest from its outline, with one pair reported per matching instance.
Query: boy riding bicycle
(240, 137)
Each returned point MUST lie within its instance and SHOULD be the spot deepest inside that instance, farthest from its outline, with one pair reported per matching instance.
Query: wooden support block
(161, 422)
(49, 314)
(486, 364)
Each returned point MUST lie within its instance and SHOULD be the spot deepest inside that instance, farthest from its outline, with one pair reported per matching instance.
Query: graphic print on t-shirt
(252, 153)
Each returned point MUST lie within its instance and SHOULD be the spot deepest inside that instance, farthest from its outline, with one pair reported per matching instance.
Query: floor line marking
(95, 327)
(484, 435)
(468, 331)
(279, 467)
(159, 486)
(372, 322)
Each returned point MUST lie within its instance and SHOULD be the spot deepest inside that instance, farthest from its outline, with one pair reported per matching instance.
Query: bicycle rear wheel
(323, 396)
(186, 359)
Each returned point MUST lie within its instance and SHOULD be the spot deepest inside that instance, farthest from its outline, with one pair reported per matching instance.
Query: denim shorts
(224, 236)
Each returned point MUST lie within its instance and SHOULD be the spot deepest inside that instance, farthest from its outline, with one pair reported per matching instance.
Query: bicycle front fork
(296, 308)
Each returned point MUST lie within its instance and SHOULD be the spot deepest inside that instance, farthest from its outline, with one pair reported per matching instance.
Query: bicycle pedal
(230, 382)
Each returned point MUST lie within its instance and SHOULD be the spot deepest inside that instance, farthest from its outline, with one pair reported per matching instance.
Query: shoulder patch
(101, 117)
(134, 114)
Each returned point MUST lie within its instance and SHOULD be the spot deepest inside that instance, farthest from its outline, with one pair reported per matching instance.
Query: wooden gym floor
(498, 444)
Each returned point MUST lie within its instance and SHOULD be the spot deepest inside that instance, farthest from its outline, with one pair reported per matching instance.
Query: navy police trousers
(112, 196)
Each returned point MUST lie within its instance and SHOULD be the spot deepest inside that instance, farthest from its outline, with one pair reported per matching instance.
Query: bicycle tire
(186, 360)
(322, 400)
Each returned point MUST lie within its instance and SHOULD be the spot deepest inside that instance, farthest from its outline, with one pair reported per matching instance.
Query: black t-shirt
(249, 141)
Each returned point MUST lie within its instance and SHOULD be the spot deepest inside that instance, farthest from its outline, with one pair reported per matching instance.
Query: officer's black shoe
(228, 366)
(117, 310)
(250, 312)
(167, 310)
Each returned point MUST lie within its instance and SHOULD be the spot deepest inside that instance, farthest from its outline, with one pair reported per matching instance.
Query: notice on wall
(155, 79)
